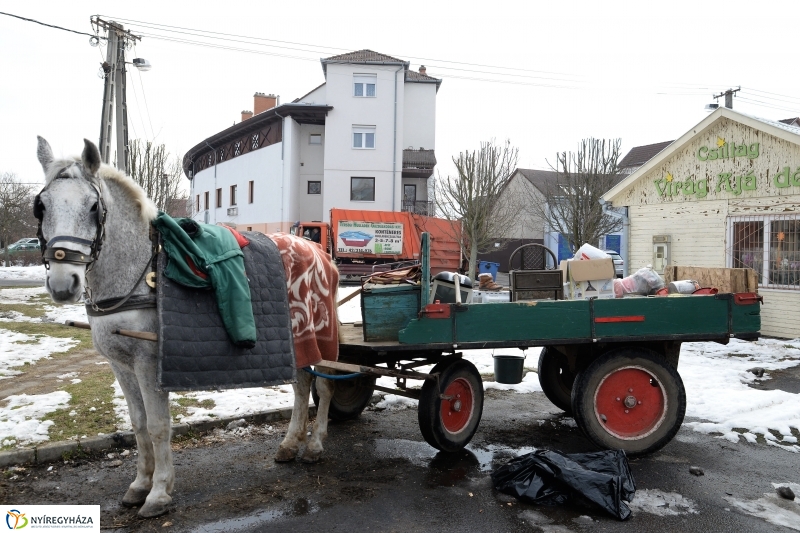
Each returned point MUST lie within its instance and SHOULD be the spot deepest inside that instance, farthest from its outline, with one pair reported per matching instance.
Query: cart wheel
(556, 378)
(630, 399)
(350, 397)
(450, 409)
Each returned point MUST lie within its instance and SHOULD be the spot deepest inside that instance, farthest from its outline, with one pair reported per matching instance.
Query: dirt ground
(379, 475)
(42, 378)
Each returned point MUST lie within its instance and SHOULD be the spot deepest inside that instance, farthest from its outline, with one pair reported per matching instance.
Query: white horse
(94, 229)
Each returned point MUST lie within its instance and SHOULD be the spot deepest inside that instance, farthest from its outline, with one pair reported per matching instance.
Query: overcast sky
(542, 74)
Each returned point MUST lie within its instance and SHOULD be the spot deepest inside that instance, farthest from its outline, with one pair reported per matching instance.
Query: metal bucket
(508, 368)
(686, 286)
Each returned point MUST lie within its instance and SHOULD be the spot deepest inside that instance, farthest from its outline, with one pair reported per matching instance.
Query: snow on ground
(715, 377)
(772, 508)
(20, 418)
(33, 273)
(661, 503)
(28, 295)
(16, 349)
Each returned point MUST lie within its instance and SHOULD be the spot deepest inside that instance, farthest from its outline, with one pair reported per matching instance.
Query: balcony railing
(420, 207)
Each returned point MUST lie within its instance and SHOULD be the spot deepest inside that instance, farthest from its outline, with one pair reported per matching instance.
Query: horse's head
(71, 214)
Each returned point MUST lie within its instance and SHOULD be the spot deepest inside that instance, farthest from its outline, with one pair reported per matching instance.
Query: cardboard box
(589, 278)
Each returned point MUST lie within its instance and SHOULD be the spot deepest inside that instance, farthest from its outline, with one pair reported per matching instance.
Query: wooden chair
(538, 276)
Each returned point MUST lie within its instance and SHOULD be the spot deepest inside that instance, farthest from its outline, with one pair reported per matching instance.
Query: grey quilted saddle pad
(194, 350)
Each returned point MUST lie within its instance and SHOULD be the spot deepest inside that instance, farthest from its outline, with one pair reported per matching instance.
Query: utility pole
(728, 96)
(114, 93)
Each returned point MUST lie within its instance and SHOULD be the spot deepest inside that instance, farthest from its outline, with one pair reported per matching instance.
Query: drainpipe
(394, 144)
(283, 163)
(215, 180)
(626, 223)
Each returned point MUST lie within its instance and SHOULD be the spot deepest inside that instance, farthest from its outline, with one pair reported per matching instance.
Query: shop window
(770, 245)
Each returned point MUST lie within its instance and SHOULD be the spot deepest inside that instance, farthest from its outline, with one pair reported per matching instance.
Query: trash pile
(549, 477)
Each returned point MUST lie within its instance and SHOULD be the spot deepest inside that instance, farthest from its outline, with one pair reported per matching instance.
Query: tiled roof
(413, 75)
(640, 155)
(364, 56)
(791, 121)
(545, 180)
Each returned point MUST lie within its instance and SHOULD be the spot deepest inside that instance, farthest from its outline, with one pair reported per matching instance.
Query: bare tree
(160, 175)
(16, 210)
(571, 202)
(473, 197)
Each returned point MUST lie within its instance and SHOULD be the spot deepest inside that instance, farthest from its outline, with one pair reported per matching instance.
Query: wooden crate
(725, 279)
(387, 309)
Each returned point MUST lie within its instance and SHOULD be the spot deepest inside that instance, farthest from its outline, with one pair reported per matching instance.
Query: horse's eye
(94, 208)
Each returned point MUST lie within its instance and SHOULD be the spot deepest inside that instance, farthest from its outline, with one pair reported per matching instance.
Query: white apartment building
(364, 139)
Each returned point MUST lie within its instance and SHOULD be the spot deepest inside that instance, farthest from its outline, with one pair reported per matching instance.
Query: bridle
(60, 254)
(65, 255)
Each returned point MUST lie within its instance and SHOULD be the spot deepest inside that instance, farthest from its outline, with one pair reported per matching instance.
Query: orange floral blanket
(312, 280)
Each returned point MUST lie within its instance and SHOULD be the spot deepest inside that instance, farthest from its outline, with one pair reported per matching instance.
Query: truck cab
(315, 231)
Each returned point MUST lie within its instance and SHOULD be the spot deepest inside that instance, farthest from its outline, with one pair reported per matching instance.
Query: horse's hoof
(311, 456)
(151, 510)
(135, 497)
(285, 455)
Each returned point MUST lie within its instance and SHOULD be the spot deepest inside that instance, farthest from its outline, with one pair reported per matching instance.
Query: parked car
(619, 263)
(22, 245)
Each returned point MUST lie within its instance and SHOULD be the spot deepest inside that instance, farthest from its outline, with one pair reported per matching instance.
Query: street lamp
(142, 64)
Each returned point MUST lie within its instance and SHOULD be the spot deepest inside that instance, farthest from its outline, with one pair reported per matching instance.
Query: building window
(364, 85)
(249, 228)
(770, 245)
(219, 197)
(315, 138)
(364, 137)
(233, 194)
(197, 204)
(362, 189)
(205, 200)
(314, 187)
(250, 189)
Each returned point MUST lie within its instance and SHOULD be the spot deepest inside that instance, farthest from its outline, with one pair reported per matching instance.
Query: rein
(65, 255)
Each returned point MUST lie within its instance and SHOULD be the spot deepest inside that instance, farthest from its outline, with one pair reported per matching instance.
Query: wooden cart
(612, 364)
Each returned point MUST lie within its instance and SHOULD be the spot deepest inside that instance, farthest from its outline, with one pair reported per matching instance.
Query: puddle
(299, 507)
(447, 469)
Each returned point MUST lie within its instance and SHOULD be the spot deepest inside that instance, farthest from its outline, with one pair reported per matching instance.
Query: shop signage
(725, 150)
(723, 182)
(369, 237)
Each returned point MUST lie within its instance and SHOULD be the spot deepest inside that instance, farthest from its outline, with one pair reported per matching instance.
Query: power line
(146, 107)
(48, 25)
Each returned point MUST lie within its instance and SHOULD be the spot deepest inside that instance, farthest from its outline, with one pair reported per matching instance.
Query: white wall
(342, 161)
(419, 116)
(317, 96)
(264, 166)
(312, 156)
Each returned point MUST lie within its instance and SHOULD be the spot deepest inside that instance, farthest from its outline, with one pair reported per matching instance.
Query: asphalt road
(379, 475)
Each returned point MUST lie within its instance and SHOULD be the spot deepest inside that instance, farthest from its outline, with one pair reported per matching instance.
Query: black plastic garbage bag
(548, 477)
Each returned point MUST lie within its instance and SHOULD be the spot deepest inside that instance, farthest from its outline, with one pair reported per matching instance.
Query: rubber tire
(589, 380)
(350, 397)
(430, 405)
(553, 374)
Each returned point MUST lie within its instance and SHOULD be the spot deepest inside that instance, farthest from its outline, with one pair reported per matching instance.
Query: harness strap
(65, 255)
(118, 305)
(119, 302)
(70, 238)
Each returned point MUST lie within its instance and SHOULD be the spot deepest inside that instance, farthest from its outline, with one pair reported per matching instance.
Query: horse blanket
(293, 291)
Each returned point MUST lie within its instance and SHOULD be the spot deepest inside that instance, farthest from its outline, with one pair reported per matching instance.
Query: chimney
(263, 102)
(246, 115)
(422, 70)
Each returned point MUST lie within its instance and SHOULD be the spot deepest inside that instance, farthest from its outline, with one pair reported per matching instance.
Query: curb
(54, 451)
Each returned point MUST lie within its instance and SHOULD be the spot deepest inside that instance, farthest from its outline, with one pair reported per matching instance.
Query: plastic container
(587, 251)
(486, 267)
(508, 368)
(686, 286)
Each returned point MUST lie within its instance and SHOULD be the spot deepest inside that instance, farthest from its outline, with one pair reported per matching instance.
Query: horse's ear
(90, 156)
(44, 153)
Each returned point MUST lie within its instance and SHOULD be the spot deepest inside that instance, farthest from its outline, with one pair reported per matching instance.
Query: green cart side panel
(504, 322)
(662, 316)
(387, 310)
(545, 320)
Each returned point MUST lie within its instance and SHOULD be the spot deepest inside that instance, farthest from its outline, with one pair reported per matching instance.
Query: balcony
(418, 163)
(419, 207)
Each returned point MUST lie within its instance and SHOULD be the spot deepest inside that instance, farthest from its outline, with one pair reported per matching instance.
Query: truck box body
(392, 236)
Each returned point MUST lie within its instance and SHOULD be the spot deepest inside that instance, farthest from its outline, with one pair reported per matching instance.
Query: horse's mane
(108, 173)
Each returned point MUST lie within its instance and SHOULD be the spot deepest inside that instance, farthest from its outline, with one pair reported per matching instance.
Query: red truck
(364, 242)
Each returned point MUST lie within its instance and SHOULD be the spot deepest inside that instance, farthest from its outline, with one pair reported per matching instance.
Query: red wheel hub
(457, 405)
(630, 403)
